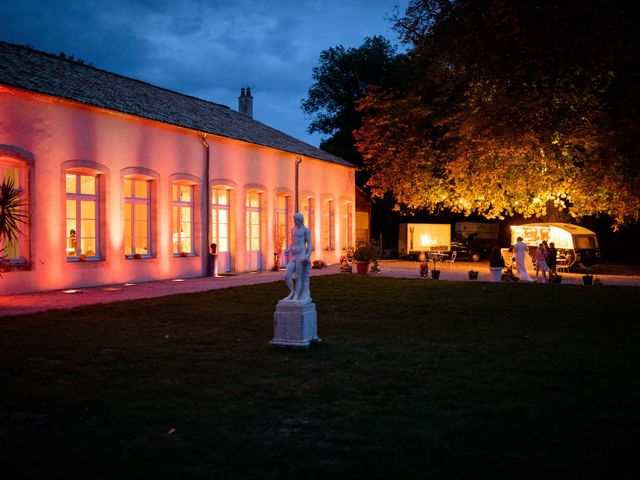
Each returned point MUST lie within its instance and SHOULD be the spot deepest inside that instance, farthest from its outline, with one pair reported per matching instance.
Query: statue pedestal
(294, 324)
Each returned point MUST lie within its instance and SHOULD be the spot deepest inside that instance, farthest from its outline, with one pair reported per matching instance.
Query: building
(124, 181)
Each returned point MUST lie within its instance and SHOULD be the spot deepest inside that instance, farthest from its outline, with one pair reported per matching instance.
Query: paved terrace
(37, 302)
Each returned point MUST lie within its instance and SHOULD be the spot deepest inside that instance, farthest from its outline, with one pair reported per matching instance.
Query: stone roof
(29, 69)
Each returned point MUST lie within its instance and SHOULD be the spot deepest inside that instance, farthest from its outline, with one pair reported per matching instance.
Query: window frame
(78, 197)
(11, 159)
(133, 201)
(180, 205)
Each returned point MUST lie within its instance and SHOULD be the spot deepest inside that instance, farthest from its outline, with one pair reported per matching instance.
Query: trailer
(575, 244)
(415, 238)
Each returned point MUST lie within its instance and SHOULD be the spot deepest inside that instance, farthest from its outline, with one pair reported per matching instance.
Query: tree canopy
(342, 77)
(512, 106)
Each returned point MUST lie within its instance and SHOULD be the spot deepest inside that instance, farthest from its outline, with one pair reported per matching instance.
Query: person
(541, 262)
(521, 250)
(496, 263)
(552, 261)
(300, 263)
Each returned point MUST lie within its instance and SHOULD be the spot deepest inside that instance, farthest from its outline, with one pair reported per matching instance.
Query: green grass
(414, 379)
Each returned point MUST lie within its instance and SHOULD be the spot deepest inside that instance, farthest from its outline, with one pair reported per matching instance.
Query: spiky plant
(11, 216)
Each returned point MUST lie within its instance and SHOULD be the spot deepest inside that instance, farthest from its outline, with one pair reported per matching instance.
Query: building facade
(123, 181)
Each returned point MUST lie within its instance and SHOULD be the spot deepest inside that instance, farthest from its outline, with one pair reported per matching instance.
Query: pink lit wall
(57, 133)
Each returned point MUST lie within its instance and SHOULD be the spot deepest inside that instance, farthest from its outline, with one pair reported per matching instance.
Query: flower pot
(435, 274)
(473, 275)
(362, 267)
(495, 273)
(424, 269)
(587, 279)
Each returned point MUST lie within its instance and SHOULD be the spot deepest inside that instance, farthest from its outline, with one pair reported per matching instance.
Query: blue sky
(206, 48)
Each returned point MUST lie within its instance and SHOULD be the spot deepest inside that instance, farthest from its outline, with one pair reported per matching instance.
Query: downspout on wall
(298, 162)
(205, 214)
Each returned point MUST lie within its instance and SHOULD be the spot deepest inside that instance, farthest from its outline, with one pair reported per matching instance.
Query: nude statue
(300, 263)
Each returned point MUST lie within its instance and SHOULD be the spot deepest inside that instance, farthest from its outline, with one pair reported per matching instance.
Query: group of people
(546, 260)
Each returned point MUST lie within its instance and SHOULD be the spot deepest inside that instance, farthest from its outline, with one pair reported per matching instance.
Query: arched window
(182, 218)
(346, 227)
(84, 184)
(14, 172)
(253, 217)
(82, 207)
(221, 224)
(328, 225)
(137, 217)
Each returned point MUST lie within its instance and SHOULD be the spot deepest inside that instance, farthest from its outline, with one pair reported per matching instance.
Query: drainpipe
(297, 175)
(205, 216)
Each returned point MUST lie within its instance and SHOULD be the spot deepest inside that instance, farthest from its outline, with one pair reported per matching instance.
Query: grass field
(414, 379)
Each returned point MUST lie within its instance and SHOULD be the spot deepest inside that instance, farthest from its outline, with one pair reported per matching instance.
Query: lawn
(414, 378)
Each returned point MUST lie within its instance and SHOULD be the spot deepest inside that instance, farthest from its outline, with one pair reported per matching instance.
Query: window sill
(84, 260)
(15, 267)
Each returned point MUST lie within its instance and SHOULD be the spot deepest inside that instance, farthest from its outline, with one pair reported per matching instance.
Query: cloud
(205, 48)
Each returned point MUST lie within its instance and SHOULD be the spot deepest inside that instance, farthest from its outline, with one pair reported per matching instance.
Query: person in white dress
(521, 250)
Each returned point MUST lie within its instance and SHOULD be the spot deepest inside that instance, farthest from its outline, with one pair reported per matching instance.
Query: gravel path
(40, 301)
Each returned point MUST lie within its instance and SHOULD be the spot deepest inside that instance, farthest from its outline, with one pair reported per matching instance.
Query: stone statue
(300, 263)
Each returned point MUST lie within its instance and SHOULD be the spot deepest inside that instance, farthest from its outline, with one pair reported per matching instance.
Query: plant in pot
(362, 255)
(587, 278)
(424, 266)
(473, 274)
(279, 235)
(435, 271)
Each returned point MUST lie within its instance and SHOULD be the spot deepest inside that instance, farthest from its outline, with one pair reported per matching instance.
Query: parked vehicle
(471, 248)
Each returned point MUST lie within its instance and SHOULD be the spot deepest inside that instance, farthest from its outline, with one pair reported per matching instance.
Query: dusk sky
(206, 48)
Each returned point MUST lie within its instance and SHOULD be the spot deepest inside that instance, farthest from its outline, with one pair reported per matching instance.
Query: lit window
(82, 207)
(220, 219)
(346, 226)
(15, 173)
(282, 220)
(328, 227)
(137, 217)
(182, 219)
(253, 222)
(309, 214)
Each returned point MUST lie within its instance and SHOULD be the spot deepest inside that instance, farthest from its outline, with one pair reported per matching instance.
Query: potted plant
(587, 278)
(279, 235)
(435, 272)
(424, 268)
(473, 274)
(362, 255)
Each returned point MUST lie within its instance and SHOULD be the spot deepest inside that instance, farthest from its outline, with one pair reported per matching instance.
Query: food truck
(575, 244)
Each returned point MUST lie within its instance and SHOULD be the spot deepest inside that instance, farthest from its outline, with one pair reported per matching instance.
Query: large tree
(515, 106)
(342, 77)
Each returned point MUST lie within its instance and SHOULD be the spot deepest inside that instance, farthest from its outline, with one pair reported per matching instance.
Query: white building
(124, 181)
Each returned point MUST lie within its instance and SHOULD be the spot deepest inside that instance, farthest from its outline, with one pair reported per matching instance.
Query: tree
(342, 77)
(514, 106)
(11, 216)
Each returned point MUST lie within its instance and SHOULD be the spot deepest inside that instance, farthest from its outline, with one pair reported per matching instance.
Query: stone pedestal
(294, 324)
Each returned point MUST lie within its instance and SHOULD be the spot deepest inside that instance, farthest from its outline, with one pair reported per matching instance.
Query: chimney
(245, 102)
